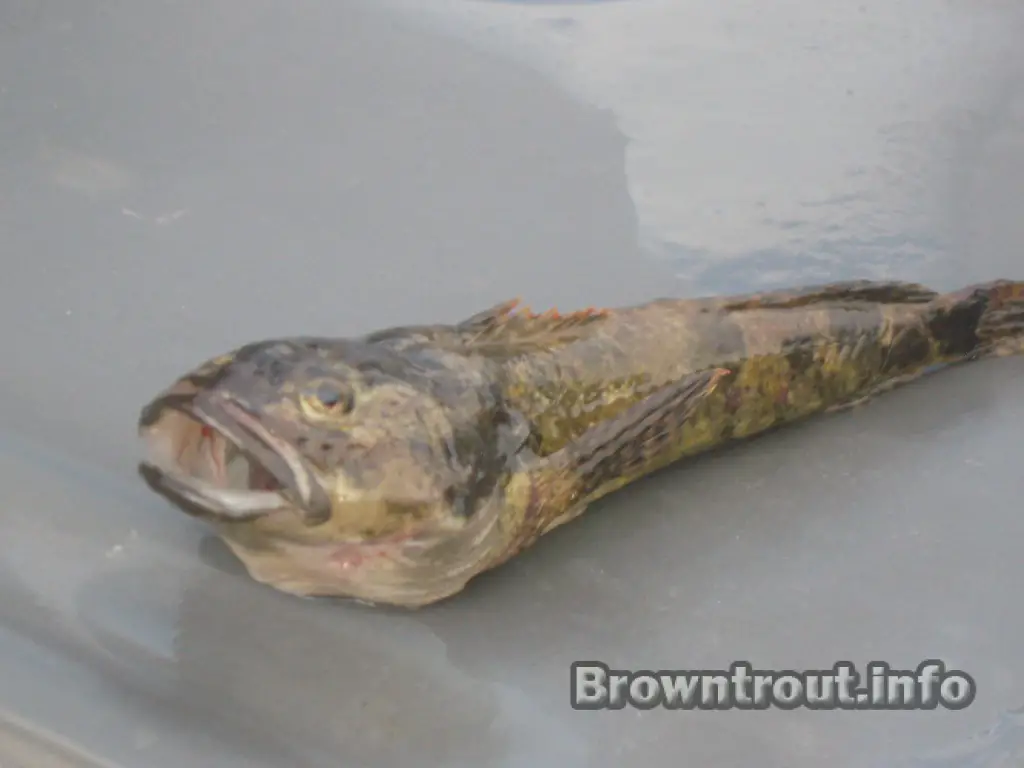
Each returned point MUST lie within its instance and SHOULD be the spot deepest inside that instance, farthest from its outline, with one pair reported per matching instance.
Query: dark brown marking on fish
(910, 349)
(956, 327)
(799, 353)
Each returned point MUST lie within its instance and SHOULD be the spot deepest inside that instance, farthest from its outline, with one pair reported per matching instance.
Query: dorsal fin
(511, 326)
(892, 292)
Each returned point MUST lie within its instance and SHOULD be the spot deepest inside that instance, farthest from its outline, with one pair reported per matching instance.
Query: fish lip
(194, 497)
(240, 426)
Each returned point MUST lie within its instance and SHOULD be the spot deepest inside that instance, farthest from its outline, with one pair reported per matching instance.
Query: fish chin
(409, 571)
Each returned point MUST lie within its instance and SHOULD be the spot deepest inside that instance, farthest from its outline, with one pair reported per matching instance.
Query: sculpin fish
(394, 467)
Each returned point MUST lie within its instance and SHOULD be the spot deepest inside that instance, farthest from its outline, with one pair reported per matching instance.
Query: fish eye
(326, 398)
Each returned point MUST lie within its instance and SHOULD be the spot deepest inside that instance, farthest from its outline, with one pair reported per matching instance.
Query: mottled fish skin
(790, 354)
(549, 412)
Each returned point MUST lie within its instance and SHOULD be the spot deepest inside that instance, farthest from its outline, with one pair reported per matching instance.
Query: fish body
(395, 467)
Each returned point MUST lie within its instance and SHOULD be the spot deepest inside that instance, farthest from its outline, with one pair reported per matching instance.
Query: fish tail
(984, 320)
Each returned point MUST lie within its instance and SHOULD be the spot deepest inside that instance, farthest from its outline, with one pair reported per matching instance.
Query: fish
(394, 467)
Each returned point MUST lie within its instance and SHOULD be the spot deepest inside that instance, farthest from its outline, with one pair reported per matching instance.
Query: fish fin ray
(510, 325)
(632, 443)
(887, 292)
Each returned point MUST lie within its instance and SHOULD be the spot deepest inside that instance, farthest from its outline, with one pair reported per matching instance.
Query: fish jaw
(409, 571)
(213, 458)
(193, 457)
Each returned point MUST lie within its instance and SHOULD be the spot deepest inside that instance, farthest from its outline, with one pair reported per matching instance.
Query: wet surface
(175, 182)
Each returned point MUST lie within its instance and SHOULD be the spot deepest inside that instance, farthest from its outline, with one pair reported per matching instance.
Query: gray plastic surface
(179, 178)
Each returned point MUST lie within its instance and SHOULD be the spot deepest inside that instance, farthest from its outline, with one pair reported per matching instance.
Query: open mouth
(214, 457)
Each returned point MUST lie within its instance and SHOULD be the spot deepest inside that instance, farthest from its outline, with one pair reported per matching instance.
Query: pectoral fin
(640, 440)
(549, 491)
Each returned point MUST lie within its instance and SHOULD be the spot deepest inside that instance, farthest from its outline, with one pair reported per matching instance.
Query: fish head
(337, 467)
